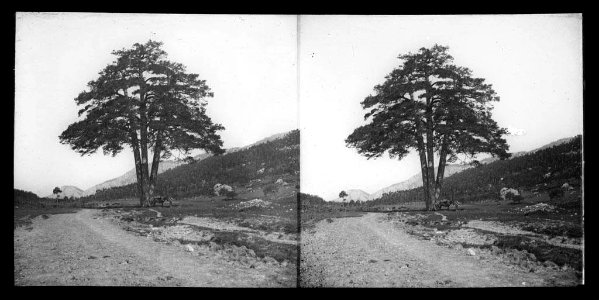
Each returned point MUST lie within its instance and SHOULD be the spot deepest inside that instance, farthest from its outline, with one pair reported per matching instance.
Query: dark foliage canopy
(142, 89)
(427, 89)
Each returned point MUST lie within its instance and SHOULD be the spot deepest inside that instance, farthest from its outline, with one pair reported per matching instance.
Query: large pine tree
(431, 105)
(146, 102)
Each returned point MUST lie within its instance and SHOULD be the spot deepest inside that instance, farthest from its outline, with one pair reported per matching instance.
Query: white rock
(505, 191)
(219, 188)
(189, 248)
(471, 252)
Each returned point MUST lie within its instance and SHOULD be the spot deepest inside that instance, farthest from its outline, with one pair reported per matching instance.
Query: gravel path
(369, 252)
(83, 249)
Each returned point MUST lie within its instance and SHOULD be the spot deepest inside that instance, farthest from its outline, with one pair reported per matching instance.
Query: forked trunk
(441, 169)
(430, 166)
(422, 154)
(136, 156)
(423, 169)
(138, 168)
(144, 149)
(155, 165)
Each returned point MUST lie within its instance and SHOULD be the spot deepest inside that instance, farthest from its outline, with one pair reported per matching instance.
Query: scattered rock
(253, 203)
(495, 250)
(269, 260)
(468, 236)
(537, 207)
(215, 247)
(550, 264)
(222, 189)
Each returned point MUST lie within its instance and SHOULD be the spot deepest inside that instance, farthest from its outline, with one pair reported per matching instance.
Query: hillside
(416, 181)
(21, 197)
(542, 169)
(129, 176)
(260, 163)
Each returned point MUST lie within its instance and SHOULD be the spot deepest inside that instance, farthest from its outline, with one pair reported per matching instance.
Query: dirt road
(83, 249)
(369, 252)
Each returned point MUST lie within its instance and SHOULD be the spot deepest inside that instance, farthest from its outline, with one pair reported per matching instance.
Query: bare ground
(370, 251)
(85, 249)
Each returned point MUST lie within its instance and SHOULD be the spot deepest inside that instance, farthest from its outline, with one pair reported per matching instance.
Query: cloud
(514, 131)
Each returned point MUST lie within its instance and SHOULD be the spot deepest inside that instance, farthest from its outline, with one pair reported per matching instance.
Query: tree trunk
(423, 169)
(144, 147)
(430, 153)
(422, 154)
(136, 156)
(441, 169)
(138, 172)
(430, 150)
(155, 165)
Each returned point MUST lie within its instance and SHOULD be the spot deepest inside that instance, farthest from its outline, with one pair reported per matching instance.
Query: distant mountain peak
(355, 195)
(67, 191)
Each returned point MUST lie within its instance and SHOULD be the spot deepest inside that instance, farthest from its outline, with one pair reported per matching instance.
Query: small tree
(343, 195)
(56, 192)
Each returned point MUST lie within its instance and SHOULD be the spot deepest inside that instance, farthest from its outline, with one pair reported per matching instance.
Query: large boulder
(222, 189)
(566, 186)
(508, 193)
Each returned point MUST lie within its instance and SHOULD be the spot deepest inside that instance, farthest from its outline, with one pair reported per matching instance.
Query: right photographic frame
(441, 151)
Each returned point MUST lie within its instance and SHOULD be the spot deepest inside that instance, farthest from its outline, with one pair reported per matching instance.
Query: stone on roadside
(550, 264)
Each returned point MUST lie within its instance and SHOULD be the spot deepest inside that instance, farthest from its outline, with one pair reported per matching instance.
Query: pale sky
(249, 62)
(534, 63)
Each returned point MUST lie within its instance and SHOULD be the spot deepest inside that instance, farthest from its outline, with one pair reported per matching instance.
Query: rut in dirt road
(82, 249)
(365, 251)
